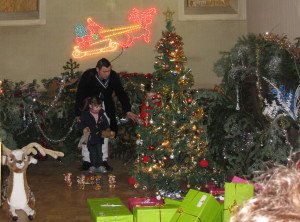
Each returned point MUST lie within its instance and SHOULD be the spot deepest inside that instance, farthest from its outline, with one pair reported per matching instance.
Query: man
(102, 81)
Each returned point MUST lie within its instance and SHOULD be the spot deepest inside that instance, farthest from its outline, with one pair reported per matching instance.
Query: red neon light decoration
(94, 38)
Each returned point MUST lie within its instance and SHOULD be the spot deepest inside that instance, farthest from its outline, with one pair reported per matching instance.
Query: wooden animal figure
(16, 193)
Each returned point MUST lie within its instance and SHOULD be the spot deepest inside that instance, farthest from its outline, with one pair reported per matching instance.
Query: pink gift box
(236, 179)
(141, 202)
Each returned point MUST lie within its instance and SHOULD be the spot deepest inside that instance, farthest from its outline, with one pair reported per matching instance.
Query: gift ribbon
(233, 207)
(112, 209)
(159, 206)
(156, 205)
(181, 212)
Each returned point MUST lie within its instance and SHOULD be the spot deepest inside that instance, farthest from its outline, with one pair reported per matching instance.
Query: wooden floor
(55, 202)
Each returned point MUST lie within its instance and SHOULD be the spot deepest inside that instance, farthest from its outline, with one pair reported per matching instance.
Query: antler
(30, 149)
(6, 151)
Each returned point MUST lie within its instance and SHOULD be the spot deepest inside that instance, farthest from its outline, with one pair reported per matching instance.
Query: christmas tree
(44, 116)
(253, 114)
(171, 146)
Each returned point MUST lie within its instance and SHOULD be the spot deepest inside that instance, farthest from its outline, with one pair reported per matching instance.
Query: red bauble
(189, 100)
(203, 163)
(158, 96)
(146, 123)
(151, 147)
(131, 181)
(146, 159)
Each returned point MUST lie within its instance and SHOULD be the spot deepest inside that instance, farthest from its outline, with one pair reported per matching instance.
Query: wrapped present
(237, 179)
(172, 202)
(158, 213)
(140, 202)
(198, 206)
(235, 195)
(109, 209)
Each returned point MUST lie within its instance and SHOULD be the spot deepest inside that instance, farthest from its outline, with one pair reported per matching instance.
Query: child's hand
(112, 134)
(86, 129)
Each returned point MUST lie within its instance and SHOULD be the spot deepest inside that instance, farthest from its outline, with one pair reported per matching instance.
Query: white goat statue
(16, 194)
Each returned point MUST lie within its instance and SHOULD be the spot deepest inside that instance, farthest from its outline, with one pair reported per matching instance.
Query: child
(92, 120)
(278, 201)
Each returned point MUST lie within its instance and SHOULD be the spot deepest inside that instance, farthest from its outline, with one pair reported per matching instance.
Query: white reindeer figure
(16, 194)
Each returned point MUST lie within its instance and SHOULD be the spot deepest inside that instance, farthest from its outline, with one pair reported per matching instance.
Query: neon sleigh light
(95, 39)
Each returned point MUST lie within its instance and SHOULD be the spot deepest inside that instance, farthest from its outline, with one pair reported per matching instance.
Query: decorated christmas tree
(253, 115)
(172, 152)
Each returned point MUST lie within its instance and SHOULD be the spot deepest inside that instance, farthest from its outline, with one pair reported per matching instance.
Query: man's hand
(112, 134)
(86, 129)
(135, 118)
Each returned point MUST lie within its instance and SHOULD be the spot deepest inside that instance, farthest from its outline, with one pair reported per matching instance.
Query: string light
(1, 90)
(85, 36)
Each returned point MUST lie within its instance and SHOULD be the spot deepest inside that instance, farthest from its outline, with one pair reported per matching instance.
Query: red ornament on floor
(203, 163)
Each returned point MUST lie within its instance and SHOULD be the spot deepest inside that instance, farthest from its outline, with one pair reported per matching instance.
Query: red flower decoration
(146, 159)
(131, 181)
(203, 163)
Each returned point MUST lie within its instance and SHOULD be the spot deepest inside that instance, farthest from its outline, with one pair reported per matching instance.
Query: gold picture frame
(25, 17)
(211, 10)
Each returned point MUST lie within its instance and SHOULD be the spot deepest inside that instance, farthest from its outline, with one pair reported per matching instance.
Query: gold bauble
(194, 127)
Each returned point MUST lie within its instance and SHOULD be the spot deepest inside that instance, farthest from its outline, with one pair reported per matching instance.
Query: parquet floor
(57, 203)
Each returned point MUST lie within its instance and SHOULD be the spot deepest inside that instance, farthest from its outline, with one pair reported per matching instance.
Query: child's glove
(84, 139)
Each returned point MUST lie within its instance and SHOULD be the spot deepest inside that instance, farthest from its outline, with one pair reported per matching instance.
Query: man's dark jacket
(91, 85)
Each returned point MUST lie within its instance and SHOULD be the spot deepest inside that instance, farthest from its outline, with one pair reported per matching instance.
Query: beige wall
(40, 51)
(276, 16)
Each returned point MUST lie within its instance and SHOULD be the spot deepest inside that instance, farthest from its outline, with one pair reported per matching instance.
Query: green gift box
(235, 195)
(220, 217)
(198, 206)
(159, 213)
(172, 202)
(109, 209)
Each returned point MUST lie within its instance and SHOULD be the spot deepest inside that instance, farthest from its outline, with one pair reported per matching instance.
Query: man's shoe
(108, 167)
(101, 169)
(92, 169)
(85, 166)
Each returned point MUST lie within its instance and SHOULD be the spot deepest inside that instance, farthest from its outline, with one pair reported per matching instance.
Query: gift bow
(233, 207)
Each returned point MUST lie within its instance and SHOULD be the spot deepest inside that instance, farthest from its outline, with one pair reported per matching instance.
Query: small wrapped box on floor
(235, 195)
(146, 201)
(198, 206)
(158, 213)
(109, 209)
